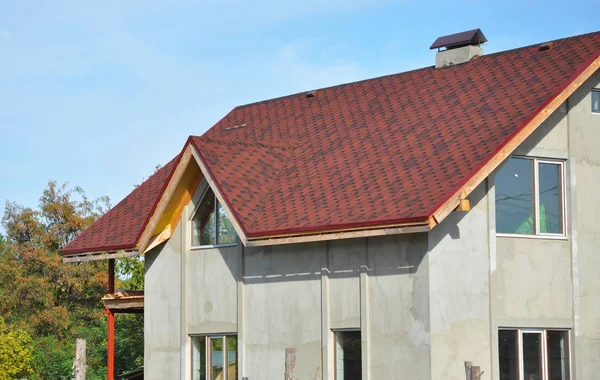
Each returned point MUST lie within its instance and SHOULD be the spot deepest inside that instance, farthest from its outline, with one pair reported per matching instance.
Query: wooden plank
(290, 364)
(445, 209)
(80, 365)
(464, 205)
(336, 235)
(476, 373)
(220, 197)
(165, 197)
(92, 256)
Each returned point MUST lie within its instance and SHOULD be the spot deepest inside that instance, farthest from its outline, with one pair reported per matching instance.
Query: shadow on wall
(385, 255)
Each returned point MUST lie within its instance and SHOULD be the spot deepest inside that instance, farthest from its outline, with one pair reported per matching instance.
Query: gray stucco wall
(425, 303)
(162, 310)
(584, 152)
(459, 291)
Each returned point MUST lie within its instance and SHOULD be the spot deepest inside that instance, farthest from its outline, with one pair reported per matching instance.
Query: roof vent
(458, 48)
(546, 46)
(310, 94)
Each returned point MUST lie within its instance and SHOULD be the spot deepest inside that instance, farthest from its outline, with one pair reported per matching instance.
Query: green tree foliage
(55, 303)
(15, 352)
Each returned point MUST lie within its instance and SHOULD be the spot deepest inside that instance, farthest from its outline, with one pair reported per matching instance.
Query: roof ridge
(408, 71)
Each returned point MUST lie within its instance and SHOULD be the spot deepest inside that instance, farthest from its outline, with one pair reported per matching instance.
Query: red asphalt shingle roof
(375, 152)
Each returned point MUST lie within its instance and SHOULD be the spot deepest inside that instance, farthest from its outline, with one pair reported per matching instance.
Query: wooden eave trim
(337, 235)
(145, 238)
(211, 182)
(454, 200)
(93, 256)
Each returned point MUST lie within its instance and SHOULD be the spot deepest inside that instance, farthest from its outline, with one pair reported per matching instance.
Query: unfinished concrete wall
(162, 310)
(584, 154)
(398, 306)
(212, 290)
(282, 309)
(459, 291)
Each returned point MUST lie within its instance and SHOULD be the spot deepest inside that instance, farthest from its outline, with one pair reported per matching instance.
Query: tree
(15, 352)
(53, 302)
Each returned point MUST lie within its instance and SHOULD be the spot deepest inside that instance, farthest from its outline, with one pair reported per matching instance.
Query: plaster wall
(584, 143)
(162, 310)
(212, 290)
(398, 306)
(282, 309)
(459, 291)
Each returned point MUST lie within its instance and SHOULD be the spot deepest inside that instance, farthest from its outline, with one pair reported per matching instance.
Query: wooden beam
(337, 235)
(186, 155)
(92, 256)
(445, 209)
(161, 237)
(463, 206)
(220, 197)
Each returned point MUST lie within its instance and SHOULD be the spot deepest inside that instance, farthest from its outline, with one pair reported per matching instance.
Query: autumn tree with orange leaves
(41, 296)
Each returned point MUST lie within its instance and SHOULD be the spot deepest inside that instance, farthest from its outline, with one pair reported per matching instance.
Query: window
(596, 101)
(348, 359)
(210, 225)
(530, 197)
(534, 354)
(214, 357)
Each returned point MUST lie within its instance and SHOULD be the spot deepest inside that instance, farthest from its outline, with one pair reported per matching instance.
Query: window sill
(201, 247)
(542, 237)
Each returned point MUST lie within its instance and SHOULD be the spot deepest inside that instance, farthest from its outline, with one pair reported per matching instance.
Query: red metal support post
(111, 322)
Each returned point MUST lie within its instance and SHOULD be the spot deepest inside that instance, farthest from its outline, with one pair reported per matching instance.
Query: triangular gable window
(210, 225)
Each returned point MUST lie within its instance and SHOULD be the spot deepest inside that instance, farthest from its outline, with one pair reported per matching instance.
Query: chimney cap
(470, 37)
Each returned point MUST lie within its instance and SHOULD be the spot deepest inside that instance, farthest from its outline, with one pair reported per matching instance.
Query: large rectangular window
(530, 197)
(214, 357)
(534, 354)
(348, 358)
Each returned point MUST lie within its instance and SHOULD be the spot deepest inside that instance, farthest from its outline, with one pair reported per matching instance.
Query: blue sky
(99, 93)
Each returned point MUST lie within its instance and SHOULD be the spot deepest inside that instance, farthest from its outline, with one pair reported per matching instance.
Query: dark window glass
(596, 101)
(514, 197)
(551, 218)
(558, 355)
(210, 228)
(348, 364)
(226, 232)
(204, 232)
(532, 356)
(509, 354)
(199, 358)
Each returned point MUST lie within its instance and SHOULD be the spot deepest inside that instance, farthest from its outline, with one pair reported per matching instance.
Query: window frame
(335, 339)
(597, 91)
(536, 161)
(208, 353)
(216, 211)
(544, 339)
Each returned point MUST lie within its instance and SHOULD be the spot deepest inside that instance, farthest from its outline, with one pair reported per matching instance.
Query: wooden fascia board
(453, 202)
(220, 198)
(158, 236)
(338, 235)
(145, 238)
(93, 256)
